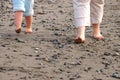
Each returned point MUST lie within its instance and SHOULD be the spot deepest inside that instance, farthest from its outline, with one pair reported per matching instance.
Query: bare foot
(18, 30)
(96, 32)
(99, 37)
(28, 31)
(79, 40)
(80, 35)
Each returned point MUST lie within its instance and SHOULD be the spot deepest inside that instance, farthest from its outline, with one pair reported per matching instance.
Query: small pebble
(116, 75)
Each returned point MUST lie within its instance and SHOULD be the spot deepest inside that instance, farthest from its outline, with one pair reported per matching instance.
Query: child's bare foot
(28, 31)
(29, 20)
(18, 30)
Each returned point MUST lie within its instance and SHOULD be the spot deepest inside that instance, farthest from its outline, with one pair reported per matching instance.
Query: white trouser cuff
(79, 22)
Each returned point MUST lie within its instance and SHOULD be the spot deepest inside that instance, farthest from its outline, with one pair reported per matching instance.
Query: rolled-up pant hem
(87, 12)
(79, 22)
(24, 5)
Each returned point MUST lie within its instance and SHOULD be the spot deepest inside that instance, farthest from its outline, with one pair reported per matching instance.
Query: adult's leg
(97, 7)
(82, 16)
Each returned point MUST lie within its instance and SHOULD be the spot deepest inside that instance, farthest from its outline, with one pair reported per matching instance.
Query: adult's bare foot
(99, 37)
(80, 35)
(96, 32)
(79, 40)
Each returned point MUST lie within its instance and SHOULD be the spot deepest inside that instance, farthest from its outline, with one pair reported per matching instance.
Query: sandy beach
(49, 53)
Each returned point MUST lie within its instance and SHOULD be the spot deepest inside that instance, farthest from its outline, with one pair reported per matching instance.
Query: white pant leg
(82, 12)
(96, 11)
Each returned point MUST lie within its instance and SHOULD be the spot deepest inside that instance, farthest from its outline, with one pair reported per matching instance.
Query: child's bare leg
(96, 32)
(18, 20)
(29, 20)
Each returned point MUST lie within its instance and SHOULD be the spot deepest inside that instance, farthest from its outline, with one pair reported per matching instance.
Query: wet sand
(49, 53)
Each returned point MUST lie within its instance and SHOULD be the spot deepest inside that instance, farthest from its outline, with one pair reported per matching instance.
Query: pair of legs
(88, 12)
(96, 32)
(23, 8)
(18, 22)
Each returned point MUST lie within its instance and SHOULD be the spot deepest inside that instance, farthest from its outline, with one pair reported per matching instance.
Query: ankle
(18, 27)
(81, 33)
(96, 29)
(29, 30)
